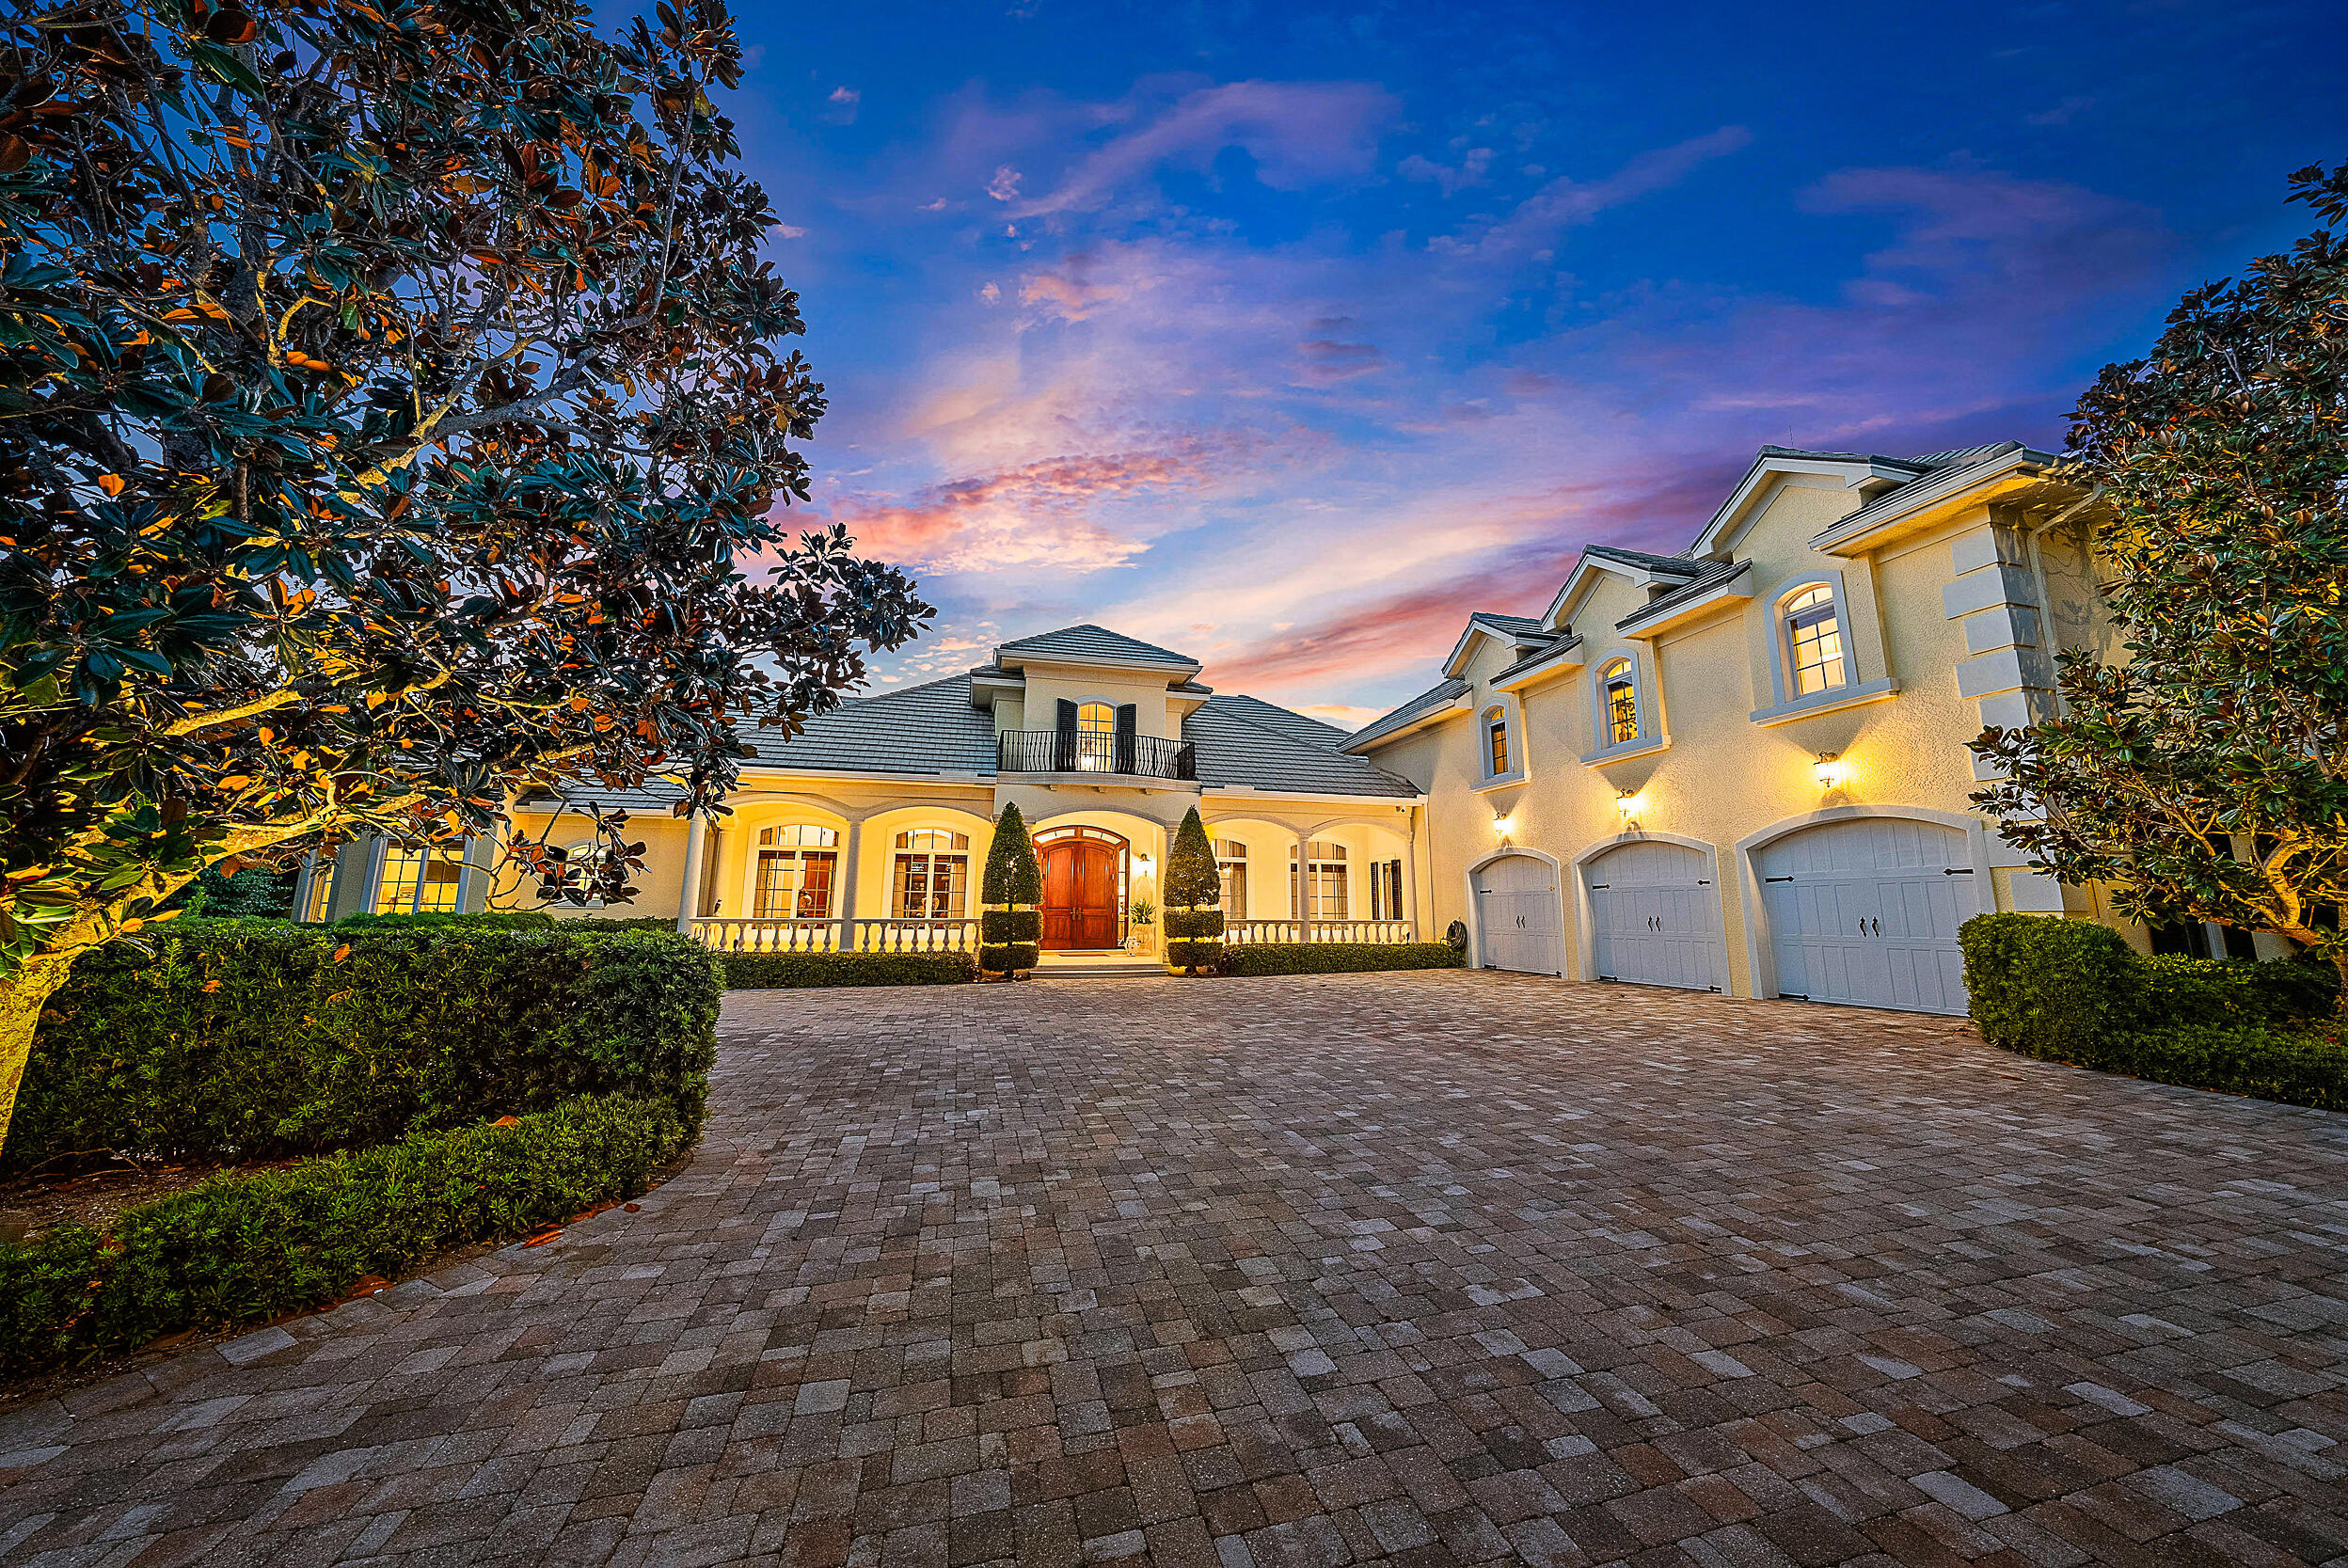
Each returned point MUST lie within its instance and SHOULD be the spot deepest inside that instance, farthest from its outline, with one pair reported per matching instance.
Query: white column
(1300, 892)
(688, 900)
(852, 872)
(1410, 875)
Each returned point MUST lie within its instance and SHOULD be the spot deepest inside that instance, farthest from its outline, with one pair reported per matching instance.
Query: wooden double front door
(1079, 894)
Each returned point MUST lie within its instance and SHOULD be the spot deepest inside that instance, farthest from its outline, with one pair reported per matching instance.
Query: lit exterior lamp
(1830, 767)
(1500, 826)
(1627, 802)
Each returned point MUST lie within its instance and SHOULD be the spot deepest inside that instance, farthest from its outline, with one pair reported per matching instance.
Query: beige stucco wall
(1049, 684)
(1723, 776)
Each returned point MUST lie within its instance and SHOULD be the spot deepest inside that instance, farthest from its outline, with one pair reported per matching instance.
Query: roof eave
(1557, 661)
(1926, 501)
(1417, 721)
(1733, 588)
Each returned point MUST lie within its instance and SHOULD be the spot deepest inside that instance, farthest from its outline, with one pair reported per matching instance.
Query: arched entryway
(1084, 888)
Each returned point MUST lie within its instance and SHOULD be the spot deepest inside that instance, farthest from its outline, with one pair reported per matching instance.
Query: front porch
(755, 935)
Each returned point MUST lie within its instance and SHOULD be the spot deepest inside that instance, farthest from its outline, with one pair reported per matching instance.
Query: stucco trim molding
(1585, 918)
(1645, 746)
(1760, 966)
(1475, 911)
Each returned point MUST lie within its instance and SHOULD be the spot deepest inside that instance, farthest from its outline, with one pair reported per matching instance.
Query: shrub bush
(792, 971)
(1009, 925)
(1193, 954)
(241, 1248)
(616, 923)
(2292, 1066)
(1009, 957)
(1185, 923)
(247, 1038)
(2225, 992)
(2046, 986)
(487, 920)
(1337, 957)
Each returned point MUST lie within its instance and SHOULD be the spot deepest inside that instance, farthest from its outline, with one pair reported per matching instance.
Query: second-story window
(932, 873)
(1620, 689)
(1814, 641)
(1096, 736)
(1495, 743)
(795, 867)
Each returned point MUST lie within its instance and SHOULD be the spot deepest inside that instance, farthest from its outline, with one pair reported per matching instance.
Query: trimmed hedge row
(258, 1038)
(1337, 957)
(792, 971)
(2067, 991)
(246, 1248)
(490, 920)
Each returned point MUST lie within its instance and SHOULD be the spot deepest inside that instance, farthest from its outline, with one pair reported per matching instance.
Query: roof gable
(1086, 643)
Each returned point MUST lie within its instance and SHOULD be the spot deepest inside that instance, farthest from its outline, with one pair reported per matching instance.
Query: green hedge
(258, 1038)
(2069, 991)
(1184, 925)
(1009, 925)
(1193, 954)
(239, 1249)
(1337, 957)
(487, 920)
(793, 970)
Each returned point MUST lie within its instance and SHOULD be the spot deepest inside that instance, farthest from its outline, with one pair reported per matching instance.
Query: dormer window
(1814, 642)
(1619, 690)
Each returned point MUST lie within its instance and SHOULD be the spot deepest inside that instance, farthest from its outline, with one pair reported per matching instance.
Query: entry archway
(1085, 871)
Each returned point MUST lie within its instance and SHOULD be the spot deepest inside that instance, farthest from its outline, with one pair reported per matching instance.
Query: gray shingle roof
(1946, 466)
(653, 798)
(1846, 456)
(1090, 641)
(931, 728)
(1238, 749)
(1296, 726)
(1515, 625)
(1678, 563)
(1424, 703)
(1714, 572)
(1537, 655)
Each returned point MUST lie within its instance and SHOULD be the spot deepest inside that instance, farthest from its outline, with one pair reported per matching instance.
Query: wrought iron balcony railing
(1147, 756)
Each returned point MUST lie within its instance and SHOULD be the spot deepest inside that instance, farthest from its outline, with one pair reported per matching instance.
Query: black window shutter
(1065, 761)
(1128, 727)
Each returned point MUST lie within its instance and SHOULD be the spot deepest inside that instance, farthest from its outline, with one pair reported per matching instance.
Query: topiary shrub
(797, 971)
(2046, 986)
(246, 1248)
(1194, 899)
(1010, 926)
(1337, 958)
(250, 1039)
(1012, 883)
(1009, 957)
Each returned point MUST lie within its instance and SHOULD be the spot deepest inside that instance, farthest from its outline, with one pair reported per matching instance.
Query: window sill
(1629, 749)
(1827, 702)
(1503, 781)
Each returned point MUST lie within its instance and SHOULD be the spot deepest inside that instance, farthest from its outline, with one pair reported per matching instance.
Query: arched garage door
(1516, 916)
(1865, 911)
(1655, 916)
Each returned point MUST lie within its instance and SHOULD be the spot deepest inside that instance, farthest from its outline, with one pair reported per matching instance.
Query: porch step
(1097, 969)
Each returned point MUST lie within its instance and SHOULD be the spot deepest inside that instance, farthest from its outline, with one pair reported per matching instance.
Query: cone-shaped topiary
(1194, 899)
(1013, 877)
(1013, 881)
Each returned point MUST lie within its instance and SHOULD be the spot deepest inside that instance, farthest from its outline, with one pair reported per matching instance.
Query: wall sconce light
(1626, 801)
(1830, 769)
(1500, 825)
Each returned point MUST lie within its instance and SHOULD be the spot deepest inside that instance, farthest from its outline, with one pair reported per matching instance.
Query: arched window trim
(1855, 687)
(1508, 715)
(1648, 734)
(1791, 654)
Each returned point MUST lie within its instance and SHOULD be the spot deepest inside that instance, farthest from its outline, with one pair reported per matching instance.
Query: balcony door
(1083, 875)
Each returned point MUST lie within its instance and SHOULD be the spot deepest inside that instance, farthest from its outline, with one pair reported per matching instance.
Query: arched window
(1324, 880)
(1230, 863)
(1814, 642)
(1096, 719)
(1495, 743)
(932, 873)
(1618, 692)
(796, 866)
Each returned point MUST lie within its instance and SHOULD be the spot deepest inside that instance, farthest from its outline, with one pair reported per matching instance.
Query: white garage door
(1866, 912)
(1655, 917)
(1516, 916)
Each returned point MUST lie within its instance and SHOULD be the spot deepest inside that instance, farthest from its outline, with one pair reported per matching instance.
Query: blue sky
(1287, 335)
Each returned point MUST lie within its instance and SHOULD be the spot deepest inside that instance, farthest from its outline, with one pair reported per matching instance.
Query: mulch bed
(37, 1201)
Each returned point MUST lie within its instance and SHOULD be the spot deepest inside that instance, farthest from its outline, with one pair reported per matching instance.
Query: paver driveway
(1441, 1268)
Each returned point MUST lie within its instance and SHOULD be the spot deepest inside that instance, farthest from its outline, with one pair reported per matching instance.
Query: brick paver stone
(1266, 1273)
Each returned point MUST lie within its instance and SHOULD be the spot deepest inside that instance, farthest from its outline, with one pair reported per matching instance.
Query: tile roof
(1513, 625)
(932, 728)
(1425, 703)
(1946, 466)
(1714, 572)
(1238, 749)
(1678, 563)
(1085, 641)
(653, 798)
(1296, 725)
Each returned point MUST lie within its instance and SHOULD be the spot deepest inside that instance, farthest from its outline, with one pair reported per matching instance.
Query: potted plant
(1144, 918)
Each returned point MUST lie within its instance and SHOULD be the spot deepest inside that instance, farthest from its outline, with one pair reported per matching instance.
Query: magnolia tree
(390, 414)
(2207, 775)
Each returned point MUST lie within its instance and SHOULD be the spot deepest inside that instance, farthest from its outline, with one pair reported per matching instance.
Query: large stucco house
(1740, 768)
(870, 829)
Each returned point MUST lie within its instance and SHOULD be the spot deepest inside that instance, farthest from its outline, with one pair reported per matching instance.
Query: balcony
(1145, 756)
